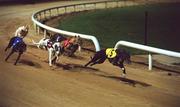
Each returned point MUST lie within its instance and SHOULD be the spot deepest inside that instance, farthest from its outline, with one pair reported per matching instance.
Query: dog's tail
(35, 43)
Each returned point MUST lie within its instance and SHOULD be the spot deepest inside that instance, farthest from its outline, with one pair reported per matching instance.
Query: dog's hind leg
(10, 43)
(7, 48)
(9, 55)
(18, 58)
(98, 61)
(93, 61)
(54, 60)
(87, 63)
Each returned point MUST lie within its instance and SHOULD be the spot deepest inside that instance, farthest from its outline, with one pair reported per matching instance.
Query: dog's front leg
(50, 55)
(79, 48)
(57, 57)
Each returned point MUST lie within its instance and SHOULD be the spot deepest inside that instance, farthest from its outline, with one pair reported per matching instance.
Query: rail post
(45, 32)
(35, 27)
(150, 61)
(38, 30)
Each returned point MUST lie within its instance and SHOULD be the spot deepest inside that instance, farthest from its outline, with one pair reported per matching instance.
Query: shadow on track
(128, 81)
(97, 72)
(80, 68)
(30, 63)
(75, 66)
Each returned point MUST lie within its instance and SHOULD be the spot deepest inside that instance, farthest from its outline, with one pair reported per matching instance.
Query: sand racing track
(33, 84)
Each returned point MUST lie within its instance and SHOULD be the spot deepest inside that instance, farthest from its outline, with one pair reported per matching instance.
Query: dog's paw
(123, 75)
(50, 65)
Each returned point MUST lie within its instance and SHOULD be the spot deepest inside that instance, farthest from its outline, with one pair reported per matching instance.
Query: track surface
(33, 84)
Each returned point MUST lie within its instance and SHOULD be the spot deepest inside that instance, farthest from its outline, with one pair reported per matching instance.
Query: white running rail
(48, 13)
(89, 37)
(148, 49)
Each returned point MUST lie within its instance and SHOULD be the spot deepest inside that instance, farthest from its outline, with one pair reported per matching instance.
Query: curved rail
(93, 38)
(56, 11)
(148, 49)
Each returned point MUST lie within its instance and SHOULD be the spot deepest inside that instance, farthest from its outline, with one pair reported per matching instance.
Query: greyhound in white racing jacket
(55, 50)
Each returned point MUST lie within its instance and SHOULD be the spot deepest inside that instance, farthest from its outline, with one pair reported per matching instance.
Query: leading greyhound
(115, 56)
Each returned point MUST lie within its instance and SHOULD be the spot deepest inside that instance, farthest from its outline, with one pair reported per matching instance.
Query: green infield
(127, 23)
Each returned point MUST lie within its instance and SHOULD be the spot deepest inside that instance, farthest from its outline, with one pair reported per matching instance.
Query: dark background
(12, 2)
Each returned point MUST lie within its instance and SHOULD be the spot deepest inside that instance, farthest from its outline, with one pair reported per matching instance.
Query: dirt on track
(33, 84)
